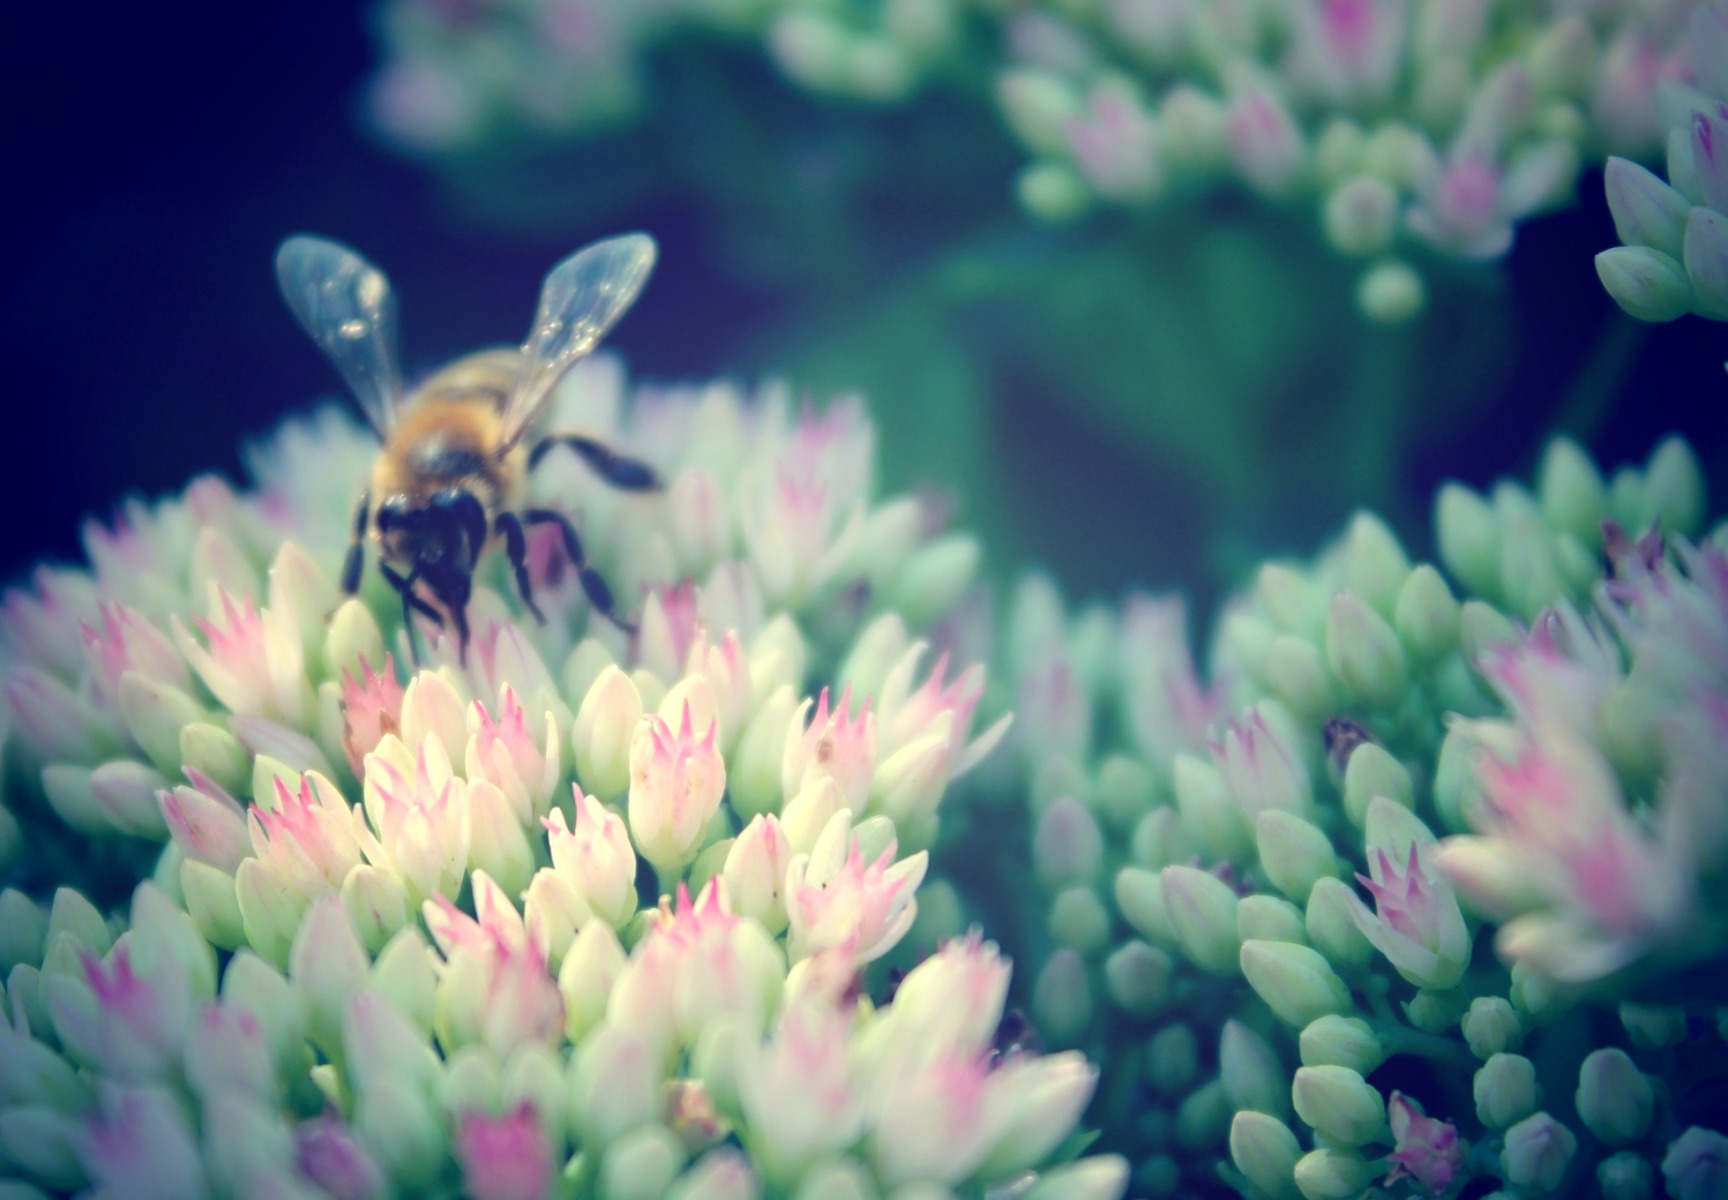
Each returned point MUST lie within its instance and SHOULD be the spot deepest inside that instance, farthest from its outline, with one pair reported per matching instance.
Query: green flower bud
(1097, 1177)
(1375, 565)
(1296, 673)
(155, 713)
(1160, 839)
(405, 975)
(1491, 1027)
(1426, 615)
(1434, 1011)
(1674, 488)
(72, 914)
(45, 1144)
(1371, 772)
(23, 930)
(1340, 1042)
(1062, 1003)
(1137, 978)
(641, 1164)
(1079, 921)
(934, 577)
(1067, 845)
(836, 1179)
(1291, 601)
(1360, 216)
(1647, 211)
(1339, 1103)
(377, 903)
(1140, 897)
(1038, 104)
(1654, 1026)
(1505, 1090)
(1252, 1075)
(1469, 535)
(1625, 1176)
(1127, 789)
(1333, 1175)
(1208, 813)
(1537, 1152)
(1157, 1177)
(1363, 652)
(1202, 910)
(1264, 1149)
(212, 905)
(1052, 191)
(353, 638)
(1331, 928)
(1615, 1100)
(1295, 982)
(1269, 919)
(216, 752)
(1203, 1117)
(1391, 292)
(1573, 497)
(1293, 853)
(1648, 284)
(1172, 1059)
(1533, 993)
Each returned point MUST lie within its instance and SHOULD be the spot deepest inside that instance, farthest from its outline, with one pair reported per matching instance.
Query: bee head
(439, 535)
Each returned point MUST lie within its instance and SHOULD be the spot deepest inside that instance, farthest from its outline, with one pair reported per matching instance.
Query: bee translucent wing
(583, 297)
(345, 304)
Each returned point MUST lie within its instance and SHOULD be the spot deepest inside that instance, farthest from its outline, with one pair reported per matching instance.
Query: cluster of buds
(1430, 132)
(1289, 875)
(455, 905)
(1674, 256)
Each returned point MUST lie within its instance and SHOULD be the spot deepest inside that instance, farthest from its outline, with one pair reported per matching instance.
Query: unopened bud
(1295, 982)
(1537, 1152)
(1340, 1041)
(1505, 1089)
(1264, 1149)
(1614, 1099)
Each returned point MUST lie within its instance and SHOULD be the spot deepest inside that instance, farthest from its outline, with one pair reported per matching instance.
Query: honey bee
(456, 452)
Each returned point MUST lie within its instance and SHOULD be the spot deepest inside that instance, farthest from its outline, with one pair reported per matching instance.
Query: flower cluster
(582, 915)
(1435, 130)
(1440, 825)
(1674, 259)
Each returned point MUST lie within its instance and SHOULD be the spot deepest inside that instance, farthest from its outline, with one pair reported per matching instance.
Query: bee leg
(411, 604)
(356, 560)
(599, 595)
(625, 474)
(516, 548)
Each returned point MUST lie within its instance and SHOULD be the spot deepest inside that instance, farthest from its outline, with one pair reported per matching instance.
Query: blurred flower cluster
(1418, 886)
(587, 916)
(1406, 128)
(1675, 254)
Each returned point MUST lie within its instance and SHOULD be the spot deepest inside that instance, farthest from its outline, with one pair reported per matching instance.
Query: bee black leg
(599, 595)
(411, 604)
(625, 474)
(516, 548)
(356, 560)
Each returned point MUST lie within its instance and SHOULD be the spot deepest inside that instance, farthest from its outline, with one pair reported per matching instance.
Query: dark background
(157, 156)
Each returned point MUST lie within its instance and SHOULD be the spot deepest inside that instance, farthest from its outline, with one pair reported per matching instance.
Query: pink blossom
(130, 1026)
(1427, 1150)
(1265, 140)
(596, 858)
(671, 627)
(307, 839)
(504, 751)
(676, 781)
(1260, 771)
(1053, 710)
(329, 1155)
(1346, 51)
(798, 1092)
(1114, 143)
(206, 822)
(41, 625)
(1169, 709)
(255, 664)
(139, 1146)
(848, 904)
(720, 964)
(497, 989)
(837, 745)
(371, 708)
(501, 655)
(1416, 922)
(419, 817)
(505, 1158)
(128, 641)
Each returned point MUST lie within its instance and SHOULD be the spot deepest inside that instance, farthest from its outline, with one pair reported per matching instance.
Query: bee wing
(346, 305)
(582, 298)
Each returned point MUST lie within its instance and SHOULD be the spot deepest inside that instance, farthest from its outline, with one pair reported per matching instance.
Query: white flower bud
(1537, 1152)
(1342, 1042)
(1294, 981)
(1614, 1099)
(1505, 1090)
(1202, 912)
(1339, 1103)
